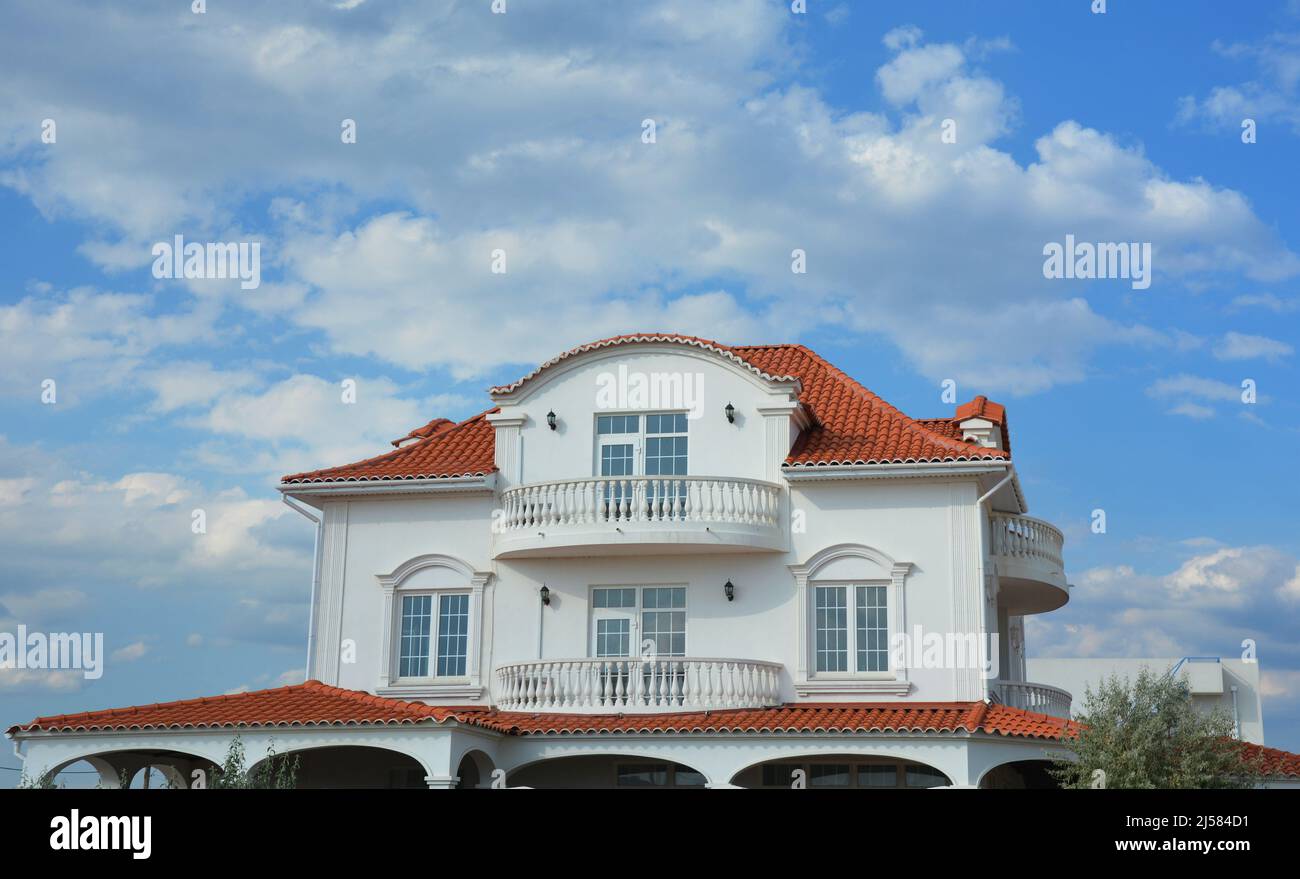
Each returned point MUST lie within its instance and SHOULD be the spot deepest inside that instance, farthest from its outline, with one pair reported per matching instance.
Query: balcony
(1032, 697)
(627, 515)
(1031, 569)
(637, 686)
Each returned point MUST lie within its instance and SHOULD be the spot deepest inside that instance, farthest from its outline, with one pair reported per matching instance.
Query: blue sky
(522, 132)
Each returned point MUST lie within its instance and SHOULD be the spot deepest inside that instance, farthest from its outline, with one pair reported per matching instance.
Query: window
(414, 661)
(453, 634)
(447, 645)
(865, 644)
(658, 775)
(626, 619)
(873, 629)
(844, 775)
(624, 449)
(830, 775)
(924, 776)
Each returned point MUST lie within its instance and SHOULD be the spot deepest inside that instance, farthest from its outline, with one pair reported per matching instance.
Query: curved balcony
(1032, 697)
(1031, 569)
(635, 685)
(622, 515)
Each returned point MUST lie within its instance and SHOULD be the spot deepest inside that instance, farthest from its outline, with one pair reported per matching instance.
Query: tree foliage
(1149, 734)
(276, 772)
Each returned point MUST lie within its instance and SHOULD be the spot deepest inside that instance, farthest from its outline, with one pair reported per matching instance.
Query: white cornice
(486, 483)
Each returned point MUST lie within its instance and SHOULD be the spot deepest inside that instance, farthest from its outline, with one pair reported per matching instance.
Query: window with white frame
(655, 444)
(626, 618)
(851, 628)
(434, 640)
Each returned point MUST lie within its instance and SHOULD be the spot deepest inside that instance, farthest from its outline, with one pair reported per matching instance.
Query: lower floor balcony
(1040, 698)
(613, 685)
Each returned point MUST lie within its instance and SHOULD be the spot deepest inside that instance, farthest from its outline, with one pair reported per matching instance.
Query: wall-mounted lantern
(730, 589)
(731, 413)
(551, 419)
(546, 596)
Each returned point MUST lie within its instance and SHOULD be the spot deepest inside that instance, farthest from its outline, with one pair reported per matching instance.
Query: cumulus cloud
(908, 237)
(1240, 346)
(1270, 95)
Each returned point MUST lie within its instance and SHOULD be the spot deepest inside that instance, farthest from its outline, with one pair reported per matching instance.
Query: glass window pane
(778, 774)
(643, 775)
(613, 637)
(683, 777)
(878, 776)
(417, 624)
(832, 628)
(453, 634)
(829, 776)
(872, 629)
(924, 776)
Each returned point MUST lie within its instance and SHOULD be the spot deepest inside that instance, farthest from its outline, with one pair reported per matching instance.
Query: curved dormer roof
(849, 425)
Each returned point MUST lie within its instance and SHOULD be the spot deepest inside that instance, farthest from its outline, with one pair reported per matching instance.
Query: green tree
(1148, 734)
(276, 772)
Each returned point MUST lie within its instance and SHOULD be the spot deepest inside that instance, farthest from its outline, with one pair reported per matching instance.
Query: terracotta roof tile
(851, 425)
(317, 704)
(1273, 762)
(464, 449)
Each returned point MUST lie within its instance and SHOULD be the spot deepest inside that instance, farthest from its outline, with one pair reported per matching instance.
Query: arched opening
(475, 771)
(141, 769)
(841, 771)
(606, 771)
(354, 767)
(1020, 775)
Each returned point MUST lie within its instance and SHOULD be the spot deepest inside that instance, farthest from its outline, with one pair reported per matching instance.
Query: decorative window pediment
(432, 628)
(851, 601)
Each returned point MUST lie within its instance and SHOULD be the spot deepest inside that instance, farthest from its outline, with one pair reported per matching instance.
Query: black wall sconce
(546, 596)
(551, 419)
(731, 413)
(730, 589)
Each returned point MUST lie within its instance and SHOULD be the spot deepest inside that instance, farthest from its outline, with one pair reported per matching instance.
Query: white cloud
(1270, 96)
(130, 653)
(1239, 346)
(603, 233)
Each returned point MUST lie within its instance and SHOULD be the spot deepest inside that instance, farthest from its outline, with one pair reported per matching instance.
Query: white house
(656, 561)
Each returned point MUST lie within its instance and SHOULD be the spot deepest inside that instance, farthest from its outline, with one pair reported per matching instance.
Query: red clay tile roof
(851, 425)
(465, 449)
(308, 704)
(316, 704)
(982, 407)
(1272, 761)
(437, 425)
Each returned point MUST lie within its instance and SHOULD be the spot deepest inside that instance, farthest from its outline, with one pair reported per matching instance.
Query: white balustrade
(631, 685)
(637, 499)
(1033, 697)
(1025, 537)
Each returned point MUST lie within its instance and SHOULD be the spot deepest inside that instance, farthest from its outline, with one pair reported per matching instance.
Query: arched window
(851, 604)
(433, 625)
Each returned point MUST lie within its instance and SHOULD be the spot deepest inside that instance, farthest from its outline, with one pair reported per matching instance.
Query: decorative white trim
(944, 469)
(838, 687)
(805, 680)
(475, 584)
(433, 485)
(431, 691)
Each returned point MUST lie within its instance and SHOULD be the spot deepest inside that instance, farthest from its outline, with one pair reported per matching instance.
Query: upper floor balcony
(634, 514)
(1031, 568)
